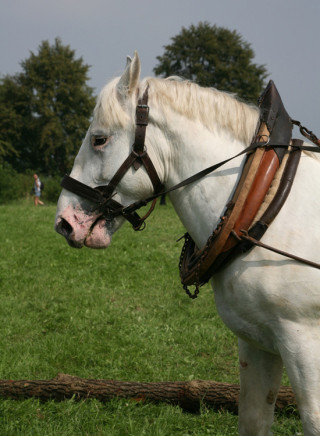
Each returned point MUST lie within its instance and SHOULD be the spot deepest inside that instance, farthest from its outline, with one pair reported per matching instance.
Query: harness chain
(306, 132)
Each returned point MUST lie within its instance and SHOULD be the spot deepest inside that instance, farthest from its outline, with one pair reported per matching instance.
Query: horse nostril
(64, 228)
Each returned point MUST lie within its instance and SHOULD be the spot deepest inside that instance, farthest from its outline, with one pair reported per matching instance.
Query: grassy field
(117, 314)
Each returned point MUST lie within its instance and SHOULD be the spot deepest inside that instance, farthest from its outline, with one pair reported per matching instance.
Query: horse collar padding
(198, 265)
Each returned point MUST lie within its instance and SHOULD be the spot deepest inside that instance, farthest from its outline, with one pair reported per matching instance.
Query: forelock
(108, 110)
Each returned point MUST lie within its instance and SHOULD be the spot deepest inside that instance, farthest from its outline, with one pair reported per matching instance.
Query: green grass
(118, 314)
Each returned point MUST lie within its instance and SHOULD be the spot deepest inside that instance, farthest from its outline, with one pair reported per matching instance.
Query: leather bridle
(102, 196)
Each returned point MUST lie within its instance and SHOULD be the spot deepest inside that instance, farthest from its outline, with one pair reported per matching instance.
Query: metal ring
(261, 138)
(140, 154)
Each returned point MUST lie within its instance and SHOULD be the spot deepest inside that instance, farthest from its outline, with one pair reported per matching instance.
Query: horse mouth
(98, 237)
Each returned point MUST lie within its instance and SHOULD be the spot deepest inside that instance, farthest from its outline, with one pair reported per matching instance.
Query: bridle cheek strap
(102, 195)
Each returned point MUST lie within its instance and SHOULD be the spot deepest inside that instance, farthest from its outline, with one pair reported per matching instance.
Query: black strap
(105, 204)
(142, 119)
(139, 155)
(189, 180)
(205, 172)
(85, 191)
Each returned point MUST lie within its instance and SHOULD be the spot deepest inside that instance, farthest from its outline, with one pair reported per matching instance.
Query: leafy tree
(10, 119)
(45, 110)
(214, 57)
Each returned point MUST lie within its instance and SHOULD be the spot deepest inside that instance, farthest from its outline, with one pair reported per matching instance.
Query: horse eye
(98, 141)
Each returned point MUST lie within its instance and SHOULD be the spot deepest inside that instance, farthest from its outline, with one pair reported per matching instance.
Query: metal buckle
(142, 115)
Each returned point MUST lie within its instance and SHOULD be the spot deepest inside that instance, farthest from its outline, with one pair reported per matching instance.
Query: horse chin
(98, 237)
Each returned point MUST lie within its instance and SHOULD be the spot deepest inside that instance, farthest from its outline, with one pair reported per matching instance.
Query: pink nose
(74, 226)
(81, 229)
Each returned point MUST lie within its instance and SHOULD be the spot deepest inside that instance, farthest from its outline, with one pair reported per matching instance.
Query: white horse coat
(270, 302)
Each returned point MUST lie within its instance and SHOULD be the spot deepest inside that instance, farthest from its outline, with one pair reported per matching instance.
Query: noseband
(102, 195)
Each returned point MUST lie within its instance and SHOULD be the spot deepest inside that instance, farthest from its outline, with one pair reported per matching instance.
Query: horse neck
(194, 148)
(193, 128)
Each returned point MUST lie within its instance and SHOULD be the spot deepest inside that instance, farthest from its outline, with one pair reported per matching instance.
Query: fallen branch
(189, 395)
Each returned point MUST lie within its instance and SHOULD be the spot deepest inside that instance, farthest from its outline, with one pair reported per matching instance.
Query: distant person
(37, 191)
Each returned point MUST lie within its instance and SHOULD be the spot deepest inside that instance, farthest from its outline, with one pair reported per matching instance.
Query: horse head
(106, 148)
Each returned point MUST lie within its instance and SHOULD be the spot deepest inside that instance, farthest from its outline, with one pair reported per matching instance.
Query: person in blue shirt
(37, 191)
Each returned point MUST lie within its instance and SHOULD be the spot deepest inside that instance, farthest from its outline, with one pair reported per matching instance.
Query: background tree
(45, 110)
(10, 118)
(214, 57)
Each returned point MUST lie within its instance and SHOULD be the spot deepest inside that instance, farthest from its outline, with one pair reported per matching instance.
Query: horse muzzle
(81, 229)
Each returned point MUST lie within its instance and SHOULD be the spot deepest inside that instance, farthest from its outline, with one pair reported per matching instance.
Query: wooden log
(189, 395)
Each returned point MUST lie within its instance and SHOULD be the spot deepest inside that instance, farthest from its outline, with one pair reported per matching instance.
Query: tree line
(45, 109)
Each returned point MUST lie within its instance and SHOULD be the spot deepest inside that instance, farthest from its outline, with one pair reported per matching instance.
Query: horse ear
(129, 80)
(129, 60)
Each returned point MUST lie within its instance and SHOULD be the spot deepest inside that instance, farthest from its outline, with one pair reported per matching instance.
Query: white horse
(270, 302)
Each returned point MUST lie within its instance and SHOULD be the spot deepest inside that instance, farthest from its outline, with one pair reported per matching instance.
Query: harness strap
(138, 204)
(245, 236)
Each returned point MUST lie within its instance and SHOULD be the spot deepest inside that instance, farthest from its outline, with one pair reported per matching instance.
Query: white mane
(208, 105)
(211, 107)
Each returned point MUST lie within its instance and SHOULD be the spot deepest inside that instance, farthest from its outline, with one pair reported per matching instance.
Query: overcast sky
(284, 34)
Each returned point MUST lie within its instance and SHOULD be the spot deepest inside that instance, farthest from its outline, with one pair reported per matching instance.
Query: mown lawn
(118, 314)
